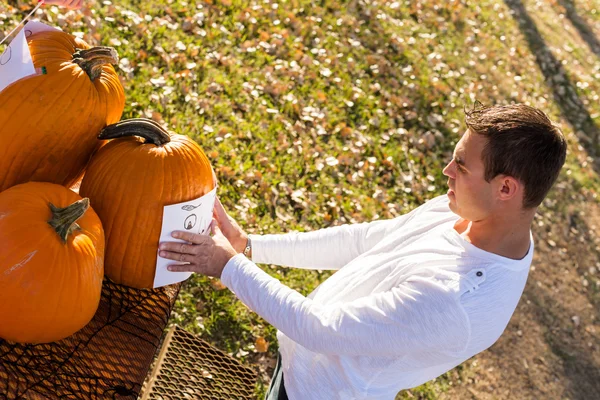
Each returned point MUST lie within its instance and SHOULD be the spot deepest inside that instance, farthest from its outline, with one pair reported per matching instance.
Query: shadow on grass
(564, 92)
(584, 29)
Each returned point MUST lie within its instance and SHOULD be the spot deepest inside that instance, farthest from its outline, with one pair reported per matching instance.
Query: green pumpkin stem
(145, 128)
(63, 219)
(92, 60)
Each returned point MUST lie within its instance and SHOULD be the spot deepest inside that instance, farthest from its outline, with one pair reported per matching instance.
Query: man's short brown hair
(523, 143)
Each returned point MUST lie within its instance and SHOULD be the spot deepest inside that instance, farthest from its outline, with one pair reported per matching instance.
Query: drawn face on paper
(190, 221)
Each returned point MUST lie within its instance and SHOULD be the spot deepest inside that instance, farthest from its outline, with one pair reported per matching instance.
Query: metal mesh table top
(189, 368)
(109, 358)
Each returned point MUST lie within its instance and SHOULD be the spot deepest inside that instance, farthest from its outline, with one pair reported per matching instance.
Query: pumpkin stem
(145, 128)
(63, 219)
(92, 60)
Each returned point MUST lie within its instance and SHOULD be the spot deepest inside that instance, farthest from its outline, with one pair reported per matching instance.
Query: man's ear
(508, 187)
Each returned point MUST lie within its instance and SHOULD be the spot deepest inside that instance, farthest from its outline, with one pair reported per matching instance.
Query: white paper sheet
(192, 216)
(15, 61)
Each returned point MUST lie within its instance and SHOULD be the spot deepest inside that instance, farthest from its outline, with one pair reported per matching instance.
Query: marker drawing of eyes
(189, 207)
(190, 221)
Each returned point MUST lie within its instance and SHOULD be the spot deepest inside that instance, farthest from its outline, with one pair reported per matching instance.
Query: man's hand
(72, 4)
(205, 254)
(232, 231)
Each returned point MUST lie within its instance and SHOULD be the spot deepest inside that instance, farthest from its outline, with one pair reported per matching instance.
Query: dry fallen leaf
(157, 117)
(261, 345)
(218, 285)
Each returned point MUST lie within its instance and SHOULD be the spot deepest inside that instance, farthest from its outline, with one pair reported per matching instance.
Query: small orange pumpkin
(51, 262)
(129, 181)
(49, 122)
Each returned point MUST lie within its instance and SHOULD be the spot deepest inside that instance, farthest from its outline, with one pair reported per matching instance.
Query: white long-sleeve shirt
(411, 300)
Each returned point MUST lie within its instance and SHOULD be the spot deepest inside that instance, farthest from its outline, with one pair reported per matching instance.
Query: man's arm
(419, 315)
(329, 248)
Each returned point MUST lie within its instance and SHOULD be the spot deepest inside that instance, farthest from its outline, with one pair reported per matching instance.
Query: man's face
(471, 197)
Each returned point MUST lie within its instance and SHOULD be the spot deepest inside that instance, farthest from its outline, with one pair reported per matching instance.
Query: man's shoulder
(436, 202)
(435, 207)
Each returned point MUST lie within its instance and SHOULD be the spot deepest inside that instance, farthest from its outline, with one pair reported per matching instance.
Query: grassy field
(318, 113)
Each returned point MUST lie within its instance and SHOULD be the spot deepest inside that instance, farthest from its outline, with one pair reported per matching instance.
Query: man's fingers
(183, 268)
(191, 267)
(75, 4)
(72, 4)
(213, 223)
(176, 247)
(219, 211)
(214, 227)
(190, 237)
(171, 255)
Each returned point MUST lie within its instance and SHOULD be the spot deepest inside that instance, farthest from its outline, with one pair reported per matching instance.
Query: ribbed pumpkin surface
(128, 183)
(49, 289)
(49, 123)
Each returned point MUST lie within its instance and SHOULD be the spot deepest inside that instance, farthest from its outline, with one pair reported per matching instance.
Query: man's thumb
(214, 227)
(219, 211)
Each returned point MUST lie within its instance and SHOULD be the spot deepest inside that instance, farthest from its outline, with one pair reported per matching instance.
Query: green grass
(317, 113)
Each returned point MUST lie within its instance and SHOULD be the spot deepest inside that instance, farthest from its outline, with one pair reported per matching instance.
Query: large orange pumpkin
(129, 181)
(49, 122)
(51, 262)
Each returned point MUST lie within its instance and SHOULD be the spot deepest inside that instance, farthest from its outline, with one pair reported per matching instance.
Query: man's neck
(505, 236)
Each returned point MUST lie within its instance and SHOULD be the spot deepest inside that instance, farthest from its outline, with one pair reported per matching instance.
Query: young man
(414, 296)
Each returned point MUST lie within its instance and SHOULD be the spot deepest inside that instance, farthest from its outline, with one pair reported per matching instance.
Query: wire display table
(107, 359)
(190, 368)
